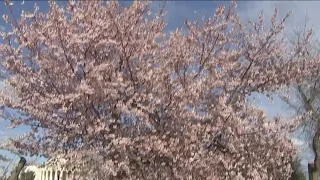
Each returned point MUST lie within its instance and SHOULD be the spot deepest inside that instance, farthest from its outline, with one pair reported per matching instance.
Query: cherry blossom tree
(105, 87)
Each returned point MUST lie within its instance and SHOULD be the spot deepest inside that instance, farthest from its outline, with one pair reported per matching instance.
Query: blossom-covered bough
(9, 144)
(105, 87)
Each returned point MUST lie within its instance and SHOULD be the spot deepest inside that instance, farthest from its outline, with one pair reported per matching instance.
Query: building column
(58, 171)
(50, 174)
(56, 174)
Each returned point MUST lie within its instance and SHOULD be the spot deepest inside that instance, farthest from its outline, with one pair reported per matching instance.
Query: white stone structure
(50, 172)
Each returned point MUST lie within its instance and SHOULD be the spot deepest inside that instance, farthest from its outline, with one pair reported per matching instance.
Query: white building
(50, 172)
(45, 173)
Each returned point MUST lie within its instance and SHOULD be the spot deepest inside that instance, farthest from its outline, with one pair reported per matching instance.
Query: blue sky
(179, 11)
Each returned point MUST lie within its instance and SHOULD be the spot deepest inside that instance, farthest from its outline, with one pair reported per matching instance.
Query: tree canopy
(104, 84)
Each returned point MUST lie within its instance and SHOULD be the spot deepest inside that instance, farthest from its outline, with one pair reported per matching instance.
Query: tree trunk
(15, 173)
(314, 168)
(313, 174)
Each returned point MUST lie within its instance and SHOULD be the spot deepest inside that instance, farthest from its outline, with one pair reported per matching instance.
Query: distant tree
(29, 175)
